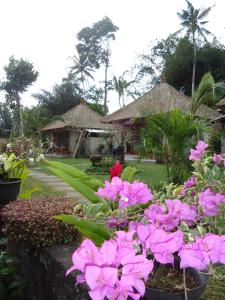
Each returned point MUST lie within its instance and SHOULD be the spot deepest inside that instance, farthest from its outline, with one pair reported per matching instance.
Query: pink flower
(217, 159)
(102, 281)
(161, 243)
(192, 257)
(125, 193)
(134, 193)
(192, 181)
(197, 154)
(113, 271)
(111, 189)
(170, 215)
(86, 254)
(205, 250)
(210, 202)
(134, 270)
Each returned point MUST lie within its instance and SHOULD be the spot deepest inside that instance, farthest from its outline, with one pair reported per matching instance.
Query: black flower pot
(192, 294)
(9, 190)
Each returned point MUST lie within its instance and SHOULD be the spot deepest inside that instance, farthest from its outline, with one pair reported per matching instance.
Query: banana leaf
(96, 232)
(93, 183)
(79, 186)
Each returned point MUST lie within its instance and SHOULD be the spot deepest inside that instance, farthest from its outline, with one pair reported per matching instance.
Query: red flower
(116, 170)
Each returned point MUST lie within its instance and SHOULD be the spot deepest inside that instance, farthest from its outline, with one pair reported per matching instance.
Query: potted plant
(12, 171)
(152, 245)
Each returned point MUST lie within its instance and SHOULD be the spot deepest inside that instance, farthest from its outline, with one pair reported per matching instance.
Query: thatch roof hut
(81, 116)
(161, 98)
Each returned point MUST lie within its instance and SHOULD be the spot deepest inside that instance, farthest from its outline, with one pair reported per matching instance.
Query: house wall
(92, 145)
(74, 136)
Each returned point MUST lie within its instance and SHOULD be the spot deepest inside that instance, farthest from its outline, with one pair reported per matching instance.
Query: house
(78, 128)
(161, 98)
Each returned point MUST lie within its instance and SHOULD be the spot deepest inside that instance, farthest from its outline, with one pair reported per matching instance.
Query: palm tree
(208, 92)
(192, 22)
(171, 135)
(82, 69)
(121, 86)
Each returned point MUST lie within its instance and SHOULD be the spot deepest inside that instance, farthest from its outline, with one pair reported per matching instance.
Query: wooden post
(78, 143)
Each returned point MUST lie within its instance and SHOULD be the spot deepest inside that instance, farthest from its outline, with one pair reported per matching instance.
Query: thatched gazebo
(161, 98)
(79, 124)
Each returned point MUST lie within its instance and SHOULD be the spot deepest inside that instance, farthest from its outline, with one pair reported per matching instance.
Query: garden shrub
(31, 220)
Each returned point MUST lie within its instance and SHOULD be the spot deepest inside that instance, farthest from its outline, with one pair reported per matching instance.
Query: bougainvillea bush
(136, 233)
(31, 220)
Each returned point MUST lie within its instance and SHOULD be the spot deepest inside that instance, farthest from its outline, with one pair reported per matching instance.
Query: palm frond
(204, 13)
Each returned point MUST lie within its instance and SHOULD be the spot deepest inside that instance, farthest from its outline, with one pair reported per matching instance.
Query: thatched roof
(161, 98)
(80, 116)
(221, 102)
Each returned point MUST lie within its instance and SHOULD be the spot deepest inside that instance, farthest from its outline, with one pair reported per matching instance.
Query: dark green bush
(31, 220)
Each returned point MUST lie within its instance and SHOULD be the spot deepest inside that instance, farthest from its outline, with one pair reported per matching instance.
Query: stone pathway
(58, 185)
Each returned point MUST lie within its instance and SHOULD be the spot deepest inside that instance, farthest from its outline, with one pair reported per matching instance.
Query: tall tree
(121, 86)
(62, 98)
(192, 22)
(19, 75)
(178, 65)
(94, 45)
(6, 120)
(81, 69)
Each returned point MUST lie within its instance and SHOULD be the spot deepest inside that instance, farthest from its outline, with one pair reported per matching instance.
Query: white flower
(2, 159)
(31, 160)
(9, 146)
(37, 159)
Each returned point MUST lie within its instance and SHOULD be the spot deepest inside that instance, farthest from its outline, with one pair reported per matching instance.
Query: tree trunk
(78, 143)
(194, 67)
(20, 117)
(106, 91)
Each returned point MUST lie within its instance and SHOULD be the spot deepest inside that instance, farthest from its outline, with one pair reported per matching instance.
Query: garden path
(58, 185)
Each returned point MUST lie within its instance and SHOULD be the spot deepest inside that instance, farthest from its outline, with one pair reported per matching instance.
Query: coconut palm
(192, 22)
(81, 69)
(121, 86)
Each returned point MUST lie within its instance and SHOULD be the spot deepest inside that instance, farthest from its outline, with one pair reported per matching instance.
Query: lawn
(39, 189)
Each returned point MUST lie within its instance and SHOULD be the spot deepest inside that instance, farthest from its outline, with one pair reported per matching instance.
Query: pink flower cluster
(125, 193)
(198, 152)
(160, 243)
(204, 251)
(170, 215)
(210, 202)
(192, 181)
(113, 271)
(218, 159)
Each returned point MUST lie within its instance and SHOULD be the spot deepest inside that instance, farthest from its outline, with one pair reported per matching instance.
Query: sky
(44, 32)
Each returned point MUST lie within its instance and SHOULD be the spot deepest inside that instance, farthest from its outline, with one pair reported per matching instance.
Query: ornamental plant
(133, 234)
(31, 221)
(12, 167)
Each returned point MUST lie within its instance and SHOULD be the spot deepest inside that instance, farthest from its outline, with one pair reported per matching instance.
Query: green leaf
(83, 189)
(216, 171)
(97, 233)
(201, 230)
(93, 183)
(129, 173)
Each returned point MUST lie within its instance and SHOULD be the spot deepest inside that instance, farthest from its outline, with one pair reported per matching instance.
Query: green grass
(216, 286)
(40, 189)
